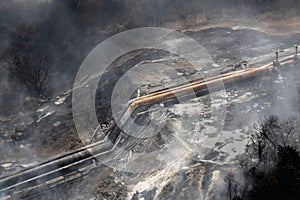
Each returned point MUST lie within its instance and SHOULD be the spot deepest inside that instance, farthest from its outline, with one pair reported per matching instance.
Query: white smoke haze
(69, 29)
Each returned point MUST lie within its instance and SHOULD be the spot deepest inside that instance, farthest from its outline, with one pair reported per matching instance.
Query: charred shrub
(29, 59)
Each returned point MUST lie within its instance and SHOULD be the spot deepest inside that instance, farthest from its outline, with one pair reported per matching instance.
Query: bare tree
(232, 186)
(86, 5)
(262, 149)
(28, 58)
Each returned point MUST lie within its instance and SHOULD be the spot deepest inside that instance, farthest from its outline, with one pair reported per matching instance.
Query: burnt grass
(225, 45)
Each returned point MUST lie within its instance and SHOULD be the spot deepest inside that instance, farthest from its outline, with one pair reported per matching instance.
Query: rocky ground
(48, 129)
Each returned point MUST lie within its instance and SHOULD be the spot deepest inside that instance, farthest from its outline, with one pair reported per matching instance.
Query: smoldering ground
(70, 29)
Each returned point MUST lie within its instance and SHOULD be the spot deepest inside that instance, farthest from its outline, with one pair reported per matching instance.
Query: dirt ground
(268, 25)
(103, 184)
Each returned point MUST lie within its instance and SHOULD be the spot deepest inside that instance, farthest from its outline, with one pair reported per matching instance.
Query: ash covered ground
(198, 172)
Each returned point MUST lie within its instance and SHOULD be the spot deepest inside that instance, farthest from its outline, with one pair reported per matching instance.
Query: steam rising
(70, 29)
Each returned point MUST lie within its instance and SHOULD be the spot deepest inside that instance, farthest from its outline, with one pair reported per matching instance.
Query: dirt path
(274, 27)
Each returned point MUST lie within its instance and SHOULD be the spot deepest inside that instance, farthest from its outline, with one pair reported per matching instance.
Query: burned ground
(244, 104)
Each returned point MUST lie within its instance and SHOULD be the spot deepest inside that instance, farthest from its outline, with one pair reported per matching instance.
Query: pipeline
(211, 82)
(55, 171)
(80, 162)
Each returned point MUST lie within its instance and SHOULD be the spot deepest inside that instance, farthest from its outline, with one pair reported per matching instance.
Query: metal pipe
(73, 162)
(277, 55)
(167, 94)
